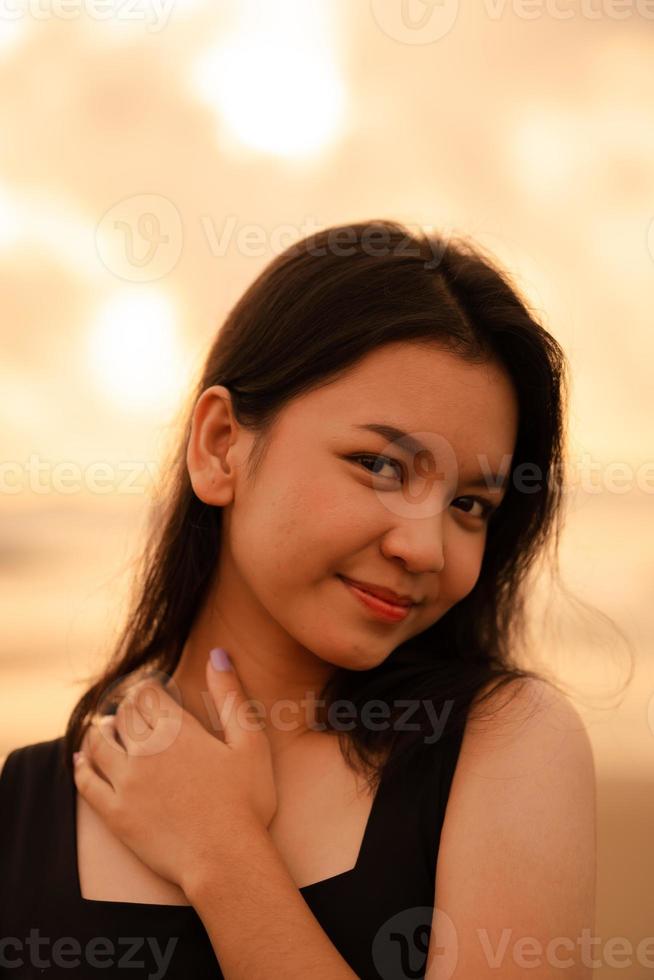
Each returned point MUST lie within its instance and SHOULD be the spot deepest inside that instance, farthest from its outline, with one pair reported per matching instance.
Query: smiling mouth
(390, 612)
(382, 593)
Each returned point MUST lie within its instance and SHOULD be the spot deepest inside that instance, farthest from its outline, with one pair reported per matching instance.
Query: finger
(98, 793)
(152, 717)
(103, 750)
(153, 702)
(237, 712)
(132, 729)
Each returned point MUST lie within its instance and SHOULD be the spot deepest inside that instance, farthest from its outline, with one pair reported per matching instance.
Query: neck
(285, 705)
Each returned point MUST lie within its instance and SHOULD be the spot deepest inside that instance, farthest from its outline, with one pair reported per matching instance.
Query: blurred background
(156, 154)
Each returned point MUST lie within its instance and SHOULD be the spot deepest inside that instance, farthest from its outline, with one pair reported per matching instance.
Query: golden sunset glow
(156, 156)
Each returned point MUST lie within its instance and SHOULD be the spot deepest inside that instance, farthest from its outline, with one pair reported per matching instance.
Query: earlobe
(209, 489)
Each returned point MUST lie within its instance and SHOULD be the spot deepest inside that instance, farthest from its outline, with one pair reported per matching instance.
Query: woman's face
(322, 506)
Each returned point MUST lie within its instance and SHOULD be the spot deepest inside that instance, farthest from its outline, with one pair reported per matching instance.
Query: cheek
(318, 528)
(285, 538)
(462, 567)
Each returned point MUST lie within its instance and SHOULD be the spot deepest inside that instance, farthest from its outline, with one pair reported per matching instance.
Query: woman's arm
(258, 923)
(515, 882)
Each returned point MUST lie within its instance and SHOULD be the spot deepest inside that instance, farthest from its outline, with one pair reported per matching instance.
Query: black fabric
(377, 914)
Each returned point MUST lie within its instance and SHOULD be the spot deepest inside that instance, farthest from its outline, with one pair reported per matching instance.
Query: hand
(173, 792)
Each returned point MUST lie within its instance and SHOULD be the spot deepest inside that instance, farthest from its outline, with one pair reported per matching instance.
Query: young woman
(365, 784)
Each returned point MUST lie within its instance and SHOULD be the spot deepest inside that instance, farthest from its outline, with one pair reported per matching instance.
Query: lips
(382, 593)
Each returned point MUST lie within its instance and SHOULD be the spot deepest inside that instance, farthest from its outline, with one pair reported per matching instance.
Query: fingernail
(219, 659)
(77, 756)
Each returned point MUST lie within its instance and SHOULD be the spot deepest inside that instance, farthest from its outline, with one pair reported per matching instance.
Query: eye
(487, 509)
(384, 460)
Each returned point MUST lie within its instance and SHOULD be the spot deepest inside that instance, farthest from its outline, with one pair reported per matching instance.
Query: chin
(347, 661)
(366, 661)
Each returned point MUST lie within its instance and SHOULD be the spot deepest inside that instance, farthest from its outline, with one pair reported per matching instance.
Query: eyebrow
(413, 445)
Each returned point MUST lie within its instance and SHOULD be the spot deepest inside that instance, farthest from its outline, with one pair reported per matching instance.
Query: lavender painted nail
(219, 659)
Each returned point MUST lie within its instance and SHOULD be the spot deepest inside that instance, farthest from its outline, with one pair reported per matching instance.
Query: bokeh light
(274, 83)
(134, 350)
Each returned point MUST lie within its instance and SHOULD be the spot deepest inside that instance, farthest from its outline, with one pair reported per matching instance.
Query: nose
(418, 541)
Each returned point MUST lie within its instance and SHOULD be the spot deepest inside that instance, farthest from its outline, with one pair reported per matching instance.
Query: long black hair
(311, 314)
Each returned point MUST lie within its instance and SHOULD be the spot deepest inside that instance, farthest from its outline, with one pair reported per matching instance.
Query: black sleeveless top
(378, 914)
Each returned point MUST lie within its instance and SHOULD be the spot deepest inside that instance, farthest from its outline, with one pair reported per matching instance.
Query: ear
(210, 451)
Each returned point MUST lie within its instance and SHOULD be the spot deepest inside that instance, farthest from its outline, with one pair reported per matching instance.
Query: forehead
(418, 388)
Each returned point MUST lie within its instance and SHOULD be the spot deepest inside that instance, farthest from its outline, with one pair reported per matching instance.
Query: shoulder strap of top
(446, 756)
(442, 762)
(409, 808)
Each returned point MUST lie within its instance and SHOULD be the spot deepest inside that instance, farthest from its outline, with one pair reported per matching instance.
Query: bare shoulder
(527, 721)
(517, 848)
(526, 748)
